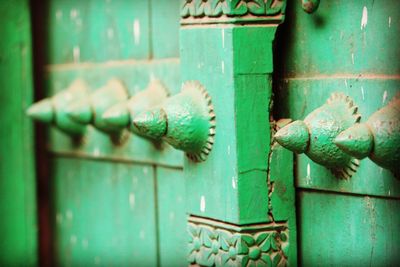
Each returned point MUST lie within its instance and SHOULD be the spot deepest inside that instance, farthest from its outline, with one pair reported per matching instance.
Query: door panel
(342, 47)
(104, 213)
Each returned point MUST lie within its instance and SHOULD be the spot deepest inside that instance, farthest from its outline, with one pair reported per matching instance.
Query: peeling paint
(85, 243)
(59, 218)
(69, 215)
(110, 33)
(132, 200)
(223, 37)
(308, 177)
(202, 204)
(364, 18)
(233, 183)
(73, 14)
(384, 97)
(59, 15)
(142, 235)
(73, 239)
(76, 52)
(136, 31)
(389, 21)
(352, 58)
(223, 66)
(362, 93)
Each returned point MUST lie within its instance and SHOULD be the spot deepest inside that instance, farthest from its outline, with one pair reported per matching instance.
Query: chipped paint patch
(223, 66)
(345, 83)
(85, 243)
(145, 170)
(76, 53)
(389, 21)
(59, 218)
(136, 31)
(69, 215)
(223, 37)
(142, 235)
(352, 58)
(233, 183)
(362, 93)
(96, 152)
(73, 14)
(132, 200)
(171, 215)
(364, 18)
(308, 177)
(59, 15)
(73, 239)
(384, 97)
(202, 204)
(229, 150)
(110, 33)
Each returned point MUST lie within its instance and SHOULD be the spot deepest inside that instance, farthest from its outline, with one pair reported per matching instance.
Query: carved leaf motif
(237, 8)
(256, 7)
(187, 8)
(218, 8)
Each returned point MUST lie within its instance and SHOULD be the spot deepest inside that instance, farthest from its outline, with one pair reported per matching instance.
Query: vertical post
(17, 177)
(227, 47)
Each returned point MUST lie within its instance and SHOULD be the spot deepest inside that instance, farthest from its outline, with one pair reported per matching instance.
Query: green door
(173, 127)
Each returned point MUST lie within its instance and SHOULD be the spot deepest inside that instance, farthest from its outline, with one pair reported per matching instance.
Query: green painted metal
(54, 109)
(378, 137)
(121, 114)
(91, 109)
(136, 76)
(186, 121)
(18, 226)
(316, 134)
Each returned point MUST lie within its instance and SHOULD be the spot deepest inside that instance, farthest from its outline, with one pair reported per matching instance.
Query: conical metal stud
(42, 111)
(152, 124)
(294, 136)
(90, 110)
(52, 110)
(378, 138)
(315, 135)
(186, 121)
(80, 111)
(118, 115)
(121, 114)
(357, 141)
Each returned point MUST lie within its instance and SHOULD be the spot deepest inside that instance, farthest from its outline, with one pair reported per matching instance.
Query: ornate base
(213, 243)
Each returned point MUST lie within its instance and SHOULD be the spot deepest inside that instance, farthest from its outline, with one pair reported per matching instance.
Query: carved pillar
(241, 198)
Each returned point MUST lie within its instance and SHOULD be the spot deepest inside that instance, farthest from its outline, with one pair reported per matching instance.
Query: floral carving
(262, 245)
(232, 8)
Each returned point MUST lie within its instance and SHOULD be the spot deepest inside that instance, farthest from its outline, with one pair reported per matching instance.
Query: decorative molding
(213, 243)
(232, 11)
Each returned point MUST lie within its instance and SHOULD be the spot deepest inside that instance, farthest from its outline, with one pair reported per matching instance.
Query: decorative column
(241, 196)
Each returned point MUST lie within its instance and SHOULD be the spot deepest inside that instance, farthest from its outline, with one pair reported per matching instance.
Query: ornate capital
(214, 243)
(232, 11)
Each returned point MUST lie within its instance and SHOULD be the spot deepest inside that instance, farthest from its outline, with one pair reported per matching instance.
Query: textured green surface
(350, 47)
(112, 204)
(233, 67)
(346, 230)
(103, 213)
(136, 76)
(172, 217)
(18, 240)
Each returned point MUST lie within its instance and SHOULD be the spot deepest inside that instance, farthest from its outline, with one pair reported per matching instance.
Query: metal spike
(42, 111)
(80, 111)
